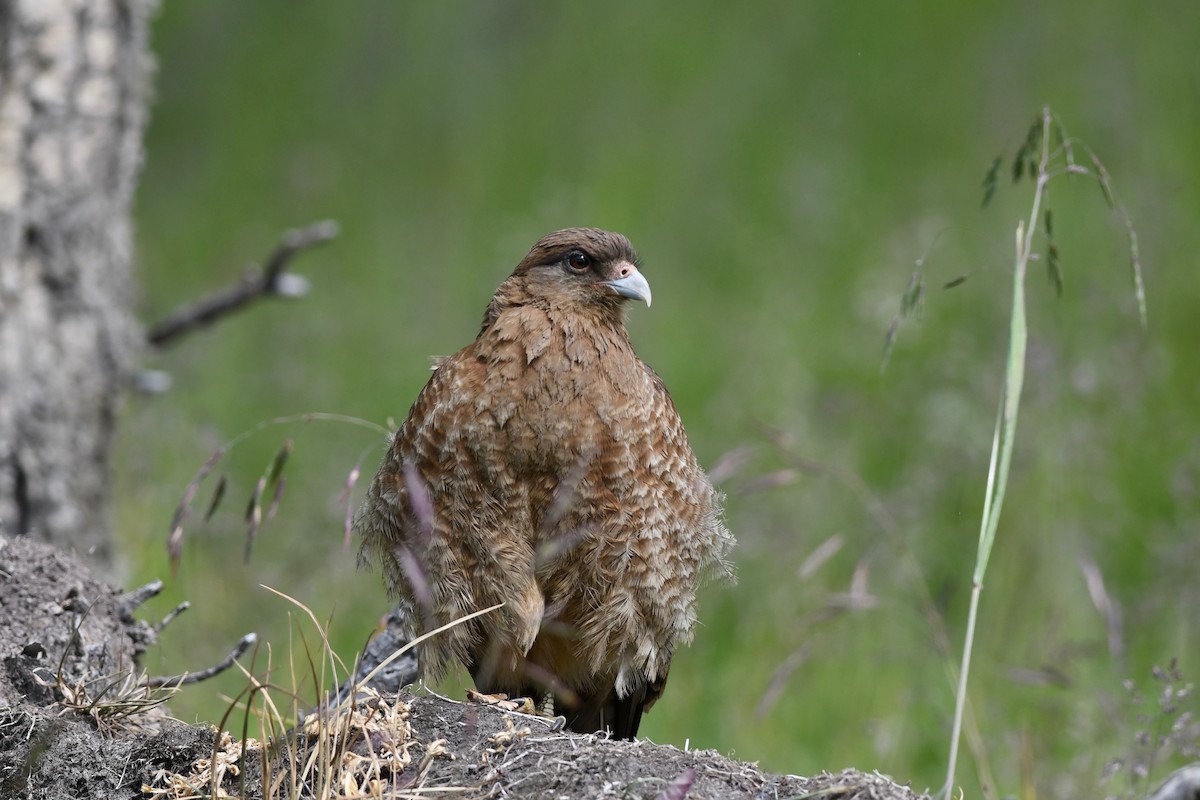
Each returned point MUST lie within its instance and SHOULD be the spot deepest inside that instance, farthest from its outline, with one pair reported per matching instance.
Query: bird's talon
(486, 699)
(502, 701)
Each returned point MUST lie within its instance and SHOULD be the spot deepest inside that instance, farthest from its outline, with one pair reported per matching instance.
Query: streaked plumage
(545, 466)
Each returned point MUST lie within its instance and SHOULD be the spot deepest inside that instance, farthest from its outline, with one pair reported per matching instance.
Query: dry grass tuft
(120, 702)
(362, 746)
(364, 749)
(225, 762)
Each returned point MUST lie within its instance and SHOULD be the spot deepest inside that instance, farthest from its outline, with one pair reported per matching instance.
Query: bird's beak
(630, 283)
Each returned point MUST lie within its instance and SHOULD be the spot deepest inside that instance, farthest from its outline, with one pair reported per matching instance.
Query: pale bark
(74, 90)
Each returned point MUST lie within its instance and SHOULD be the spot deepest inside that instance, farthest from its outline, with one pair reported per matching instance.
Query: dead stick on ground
(271, 281)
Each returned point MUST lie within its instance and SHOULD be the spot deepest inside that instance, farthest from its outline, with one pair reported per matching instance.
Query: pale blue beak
(630, 284)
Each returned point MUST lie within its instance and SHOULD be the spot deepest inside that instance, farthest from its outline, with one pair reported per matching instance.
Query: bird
(545, 467)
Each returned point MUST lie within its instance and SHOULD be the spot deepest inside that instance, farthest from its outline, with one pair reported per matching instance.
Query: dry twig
(271, 281)
(243, 645)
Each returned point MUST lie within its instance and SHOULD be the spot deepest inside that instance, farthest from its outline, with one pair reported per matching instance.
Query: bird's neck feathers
(514, 294)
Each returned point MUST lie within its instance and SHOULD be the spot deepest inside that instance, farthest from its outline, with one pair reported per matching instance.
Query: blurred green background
(782, 168)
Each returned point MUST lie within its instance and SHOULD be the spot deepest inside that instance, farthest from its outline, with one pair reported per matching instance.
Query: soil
(64, 735)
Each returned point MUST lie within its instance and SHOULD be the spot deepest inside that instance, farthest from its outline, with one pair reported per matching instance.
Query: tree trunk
(74, 90)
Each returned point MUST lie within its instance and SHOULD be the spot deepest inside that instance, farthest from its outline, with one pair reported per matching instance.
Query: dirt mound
(56, 619)
(75, 722)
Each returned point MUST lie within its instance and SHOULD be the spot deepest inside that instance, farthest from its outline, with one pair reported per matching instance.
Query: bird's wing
(448, 513)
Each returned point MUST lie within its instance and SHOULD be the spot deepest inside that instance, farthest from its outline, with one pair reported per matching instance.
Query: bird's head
(582, 268)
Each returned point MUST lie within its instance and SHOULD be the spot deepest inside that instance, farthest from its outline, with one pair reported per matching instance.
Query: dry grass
(318, 748)
(123, 700)
(118, 702)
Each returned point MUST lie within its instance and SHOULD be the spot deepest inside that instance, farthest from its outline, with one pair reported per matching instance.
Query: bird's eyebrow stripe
(559, 255)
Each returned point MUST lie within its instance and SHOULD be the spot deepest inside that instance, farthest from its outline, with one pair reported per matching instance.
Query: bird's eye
(578, 261)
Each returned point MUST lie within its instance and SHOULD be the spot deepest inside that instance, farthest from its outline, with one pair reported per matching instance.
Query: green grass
(781, 169)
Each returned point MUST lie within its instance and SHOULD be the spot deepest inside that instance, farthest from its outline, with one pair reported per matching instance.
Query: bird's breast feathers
(535, 376)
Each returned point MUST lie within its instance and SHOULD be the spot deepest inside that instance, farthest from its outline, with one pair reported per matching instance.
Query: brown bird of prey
(544, 466)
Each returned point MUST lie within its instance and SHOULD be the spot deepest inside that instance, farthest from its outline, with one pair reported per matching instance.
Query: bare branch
(271, 281)
(128, 602)
(195, 677)
(170, 617)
